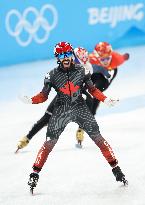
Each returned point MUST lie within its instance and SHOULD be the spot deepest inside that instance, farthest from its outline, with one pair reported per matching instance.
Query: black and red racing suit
(70, 107)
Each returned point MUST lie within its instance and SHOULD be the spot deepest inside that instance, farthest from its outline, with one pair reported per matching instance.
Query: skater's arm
(43, 95)
(117, 60)
(100, 96)
(96, 93)
(39, 98)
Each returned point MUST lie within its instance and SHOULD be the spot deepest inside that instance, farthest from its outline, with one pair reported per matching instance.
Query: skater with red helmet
(103, 63)
(109, 61)
(68, 80)
(104, 55)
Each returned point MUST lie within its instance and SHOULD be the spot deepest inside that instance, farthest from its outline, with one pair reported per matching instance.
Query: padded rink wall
(29, 29)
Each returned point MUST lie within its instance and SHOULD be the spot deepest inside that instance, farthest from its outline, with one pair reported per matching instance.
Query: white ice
(73, 176)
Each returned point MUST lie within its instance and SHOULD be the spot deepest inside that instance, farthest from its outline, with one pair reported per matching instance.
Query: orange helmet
(103, 49)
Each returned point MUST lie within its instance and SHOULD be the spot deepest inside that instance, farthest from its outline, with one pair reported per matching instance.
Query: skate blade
(32, 186)
(125, 182)
(78, 146)
(17, 150)
(32, 190)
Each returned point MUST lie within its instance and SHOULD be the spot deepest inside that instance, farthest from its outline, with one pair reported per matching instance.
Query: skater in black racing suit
(68, 79)
(101, 78)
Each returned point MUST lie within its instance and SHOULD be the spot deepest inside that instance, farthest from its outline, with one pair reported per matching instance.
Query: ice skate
(23, 142)
(79, 137)
(33, 181)
(119, 175)
(78, 145)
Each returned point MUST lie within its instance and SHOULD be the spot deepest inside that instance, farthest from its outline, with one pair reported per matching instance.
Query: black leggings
(39, 125)
(43, 121)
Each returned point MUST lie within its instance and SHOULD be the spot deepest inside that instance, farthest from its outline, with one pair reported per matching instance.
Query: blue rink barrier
(29, 30)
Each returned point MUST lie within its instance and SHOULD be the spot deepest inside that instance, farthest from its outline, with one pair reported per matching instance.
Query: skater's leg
(87, 121)
(43, 154)
(105, 149)
(54, 130)
(23, 142)
(103, 145)
(80, 131)
(39, 162)
(43, 121)
(39, 125)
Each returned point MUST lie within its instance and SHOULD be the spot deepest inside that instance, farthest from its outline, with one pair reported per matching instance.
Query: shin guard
(106, 150)
(43, 154)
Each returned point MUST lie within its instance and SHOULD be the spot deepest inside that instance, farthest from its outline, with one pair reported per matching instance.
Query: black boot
(119, 175)
(33, 181)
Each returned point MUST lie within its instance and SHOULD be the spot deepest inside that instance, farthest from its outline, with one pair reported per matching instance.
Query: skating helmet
(63, 47)
(103, 49)
(81, 54)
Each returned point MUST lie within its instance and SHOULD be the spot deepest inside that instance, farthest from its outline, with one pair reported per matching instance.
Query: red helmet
(103, 49)
(62, 47)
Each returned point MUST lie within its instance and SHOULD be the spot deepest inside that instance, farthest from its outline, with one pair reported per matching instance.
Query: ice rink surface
(73, 176)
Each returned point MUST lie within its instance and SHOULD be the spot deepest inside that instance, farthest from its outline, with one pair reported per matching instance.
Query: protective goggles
(105, 59)
(65, 55)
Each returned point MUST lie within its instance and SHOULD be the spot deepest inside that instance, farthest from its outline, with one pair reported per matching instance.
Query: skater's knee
(50, 140)
(52, 136)
(44, 120)
(96, 137)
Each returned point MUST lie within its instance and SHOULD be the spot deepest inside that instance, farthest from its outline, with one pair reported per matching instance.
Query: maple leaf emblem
(69, 88)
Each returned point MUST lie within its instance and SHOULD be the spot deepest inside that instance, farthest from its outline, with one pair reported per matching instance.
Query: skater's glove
(25, 99)
(23, 142)
(111, 102)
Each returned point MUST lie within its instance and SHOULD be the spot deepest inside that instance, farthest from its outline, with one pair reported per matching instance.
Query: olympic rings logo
(31, 28)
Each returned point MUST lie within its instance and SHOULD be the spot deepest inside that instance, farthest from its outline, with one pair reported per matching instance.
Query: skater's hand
(23, 142)
(126, 56)
(111, 102)
(25, 99)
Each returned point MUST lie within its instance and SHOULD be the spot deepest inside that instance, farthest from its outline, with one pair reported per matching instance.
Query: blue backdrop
(30, 29)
